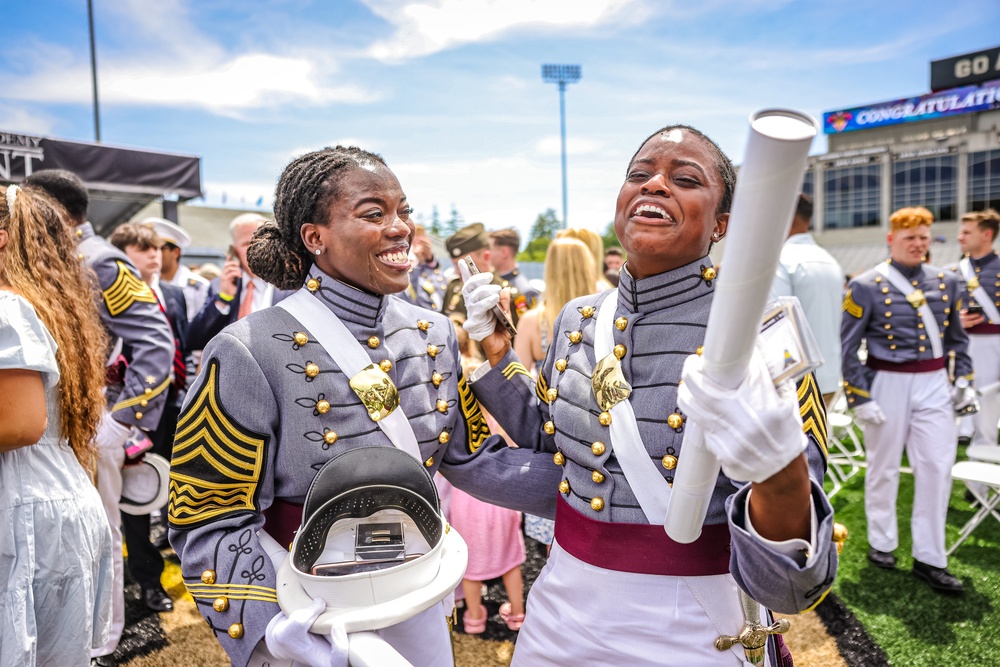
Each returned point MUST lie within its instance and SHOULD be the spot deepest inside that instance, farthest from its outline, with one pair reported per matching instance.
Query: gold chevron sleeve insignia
(126, 290)
(217, 463)
(197, 589)
(476, 428)
(851, 307)
(542, 388)
(813, 411)
(857, 391)
(515, 368)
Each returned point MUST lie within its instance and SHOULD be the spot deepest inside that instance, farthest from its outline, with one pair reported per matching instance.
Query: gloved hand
(480, 297)
(754, 430)
(111, 434)
(964, 397)
(288, 638)
(869, 414)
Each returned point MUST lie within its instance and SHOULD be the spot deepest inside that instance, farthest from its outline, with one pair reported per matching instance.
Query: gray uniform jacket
(660, 321)
(427, 286)
(270, 407)
(129, 310)
(526, 296)
(878, 313)
(987, 270)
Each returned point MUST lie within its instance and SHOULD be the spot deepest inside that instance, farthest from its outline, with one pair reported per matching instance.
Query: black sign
(965, 70)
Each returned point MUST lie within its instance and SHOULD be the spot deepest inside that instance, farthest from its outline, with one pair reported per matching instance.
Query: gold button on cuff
(675, 420)
(444, 437)
(669, 461)
(598, 448)
(429, 462)
(385, 365)
(330, 437)
(436, 379)
(423, 325)
(236, 630)
(559, 459)
(220, 605)
(560, 365)
(619, 351)
(552, 394)
(597, 476)
(587, 311)
(708, 273)
(575, 337)
(208, 577)
(700, 351)
(312, 370)
(564, 487)
(312, 284)
(604, 418)
(621, 323)
(138, 415)
(597, 504)
(300, 339)
(373, 342)
(441, 405)
(549, 427)
(322, 407)
(432, 351)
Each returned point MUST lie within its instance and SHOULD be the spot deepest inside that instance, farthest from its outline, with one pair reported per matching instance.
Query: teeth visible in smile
(397, 257)
(650, 208)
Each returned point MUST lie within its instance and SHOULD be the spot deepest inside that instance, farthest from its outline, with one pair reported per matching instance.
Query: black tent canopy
(121, 180)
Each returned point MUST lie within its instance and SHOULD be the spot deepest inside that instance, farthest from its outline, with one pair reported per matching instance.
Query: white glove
(869, 414)
(111, 434)
(963, 398)
(480, 296)
(754, 430)
(288, 638)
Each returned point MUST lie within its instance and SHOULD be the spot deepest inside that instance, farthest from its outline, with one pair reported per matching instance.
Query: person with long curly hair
(56, 561)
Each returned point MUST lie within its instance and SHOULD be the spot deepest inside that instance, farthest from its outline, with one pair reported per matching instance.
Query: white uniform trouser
(985, 352)
(423, 641)
(918, 417)
(110, 460)
(581, 615)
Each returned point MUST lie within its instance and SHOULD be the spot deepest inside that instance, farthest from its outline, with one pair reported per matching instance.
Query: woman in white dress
(55, 544)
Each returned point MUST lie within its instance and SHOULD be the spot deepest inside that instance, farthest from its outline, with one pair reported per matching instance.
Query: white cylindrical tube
(370, 650)
(767, 190)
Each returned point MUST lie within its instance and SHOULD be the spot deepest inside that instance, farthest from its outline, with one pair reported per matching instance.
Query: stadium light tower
(562, 74)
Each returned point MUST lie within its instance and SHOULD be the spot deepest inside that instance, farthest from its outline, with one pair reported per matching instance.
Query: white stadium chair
(983, 480)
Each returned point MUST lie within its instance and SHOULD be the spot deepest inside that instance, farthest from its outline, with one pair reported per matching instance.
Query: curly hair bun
(273, 260)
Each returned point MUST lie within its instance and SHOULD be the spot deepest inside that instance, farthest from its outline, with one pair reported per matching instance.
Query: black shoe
(882, 559)
(103, 661)
(157, 599)
(938, 578)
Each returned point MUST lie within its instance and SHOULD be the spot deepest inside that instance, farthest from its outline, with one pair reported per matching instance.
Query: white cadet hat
(145, 485)
(169, 232)
(362, 507)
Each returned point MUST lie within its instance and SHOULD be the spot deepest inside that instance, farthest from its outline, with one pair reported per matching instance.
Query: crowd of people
(333, 328)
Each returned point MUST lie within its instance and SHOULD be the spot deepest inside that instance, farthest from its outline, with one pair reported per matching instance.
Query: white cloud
(242, 194)
(429, 26)
(550, 146)
(24, 120)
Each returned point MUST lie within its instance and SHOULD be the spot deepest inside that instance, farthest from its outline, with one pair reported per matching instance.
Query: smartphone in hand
(467, 267)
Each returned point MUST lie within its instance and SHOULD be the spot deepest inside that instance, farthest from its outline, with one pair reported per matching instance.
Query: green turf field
(913, 625)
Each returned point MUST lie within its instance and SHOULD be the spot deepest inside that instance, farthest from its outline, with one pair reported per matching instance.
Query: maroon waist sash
(281, 520)
(639, 547)
(984, 328)
(922, 366)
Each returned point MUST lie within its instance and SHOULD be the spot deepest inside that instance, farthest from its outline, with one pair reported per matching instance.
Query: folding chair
(983, 481)
(842, 460)
(986, 453)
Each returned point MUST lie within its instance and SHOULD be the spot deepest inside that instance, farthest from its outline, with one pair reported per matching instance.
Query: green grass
(915, 626)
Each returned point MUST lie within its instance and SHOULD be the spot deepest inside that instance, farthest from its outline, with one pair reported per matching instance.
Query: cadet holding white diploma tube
(607, 406)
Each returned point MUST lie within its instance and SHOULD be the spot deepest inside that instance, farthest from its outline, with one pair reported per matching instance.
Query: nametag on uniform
(786, 341)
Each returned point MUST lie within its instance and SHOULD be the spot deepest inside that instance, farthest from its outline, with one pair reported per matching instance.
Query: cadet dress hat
(169, 232)
(145, 485)
(372, 543)
(467, 239)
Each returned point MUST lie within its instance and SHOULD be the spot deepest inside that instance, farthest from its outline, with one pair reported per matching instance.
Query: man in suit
(141, 244)
(238, 291)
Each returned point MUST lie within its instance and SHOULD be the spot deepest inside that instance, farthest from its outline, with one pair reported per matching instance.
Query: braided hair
(722, 163)
(306, 187)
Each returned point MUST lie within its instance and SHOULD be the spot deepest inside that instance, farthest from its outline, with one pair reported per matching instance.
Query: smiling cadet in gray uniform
(905, 311)
(138, 376)
(272, 404)
(671, 601)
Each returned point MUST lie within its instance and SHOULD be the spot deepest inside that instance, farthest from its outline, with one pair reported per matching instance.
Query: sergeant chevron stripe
(851, 307)
(813, 411)
(515, 368)
(231, 591)
(542, 388)
(475, 423)
(217, 463)
(126, 290)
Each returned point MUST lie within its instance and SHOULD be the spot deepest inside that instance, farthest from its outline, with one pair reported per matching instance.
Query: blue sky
(450, 92)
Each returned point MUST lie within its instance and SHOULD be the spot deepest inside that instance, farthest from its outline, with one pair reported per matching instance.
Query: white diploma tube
(767, 191)
(367, 649)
